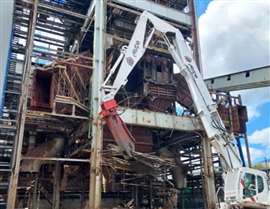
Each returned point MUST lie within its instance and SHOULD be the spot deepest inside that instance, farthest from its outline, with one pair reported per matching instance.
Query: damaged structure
(64, 156)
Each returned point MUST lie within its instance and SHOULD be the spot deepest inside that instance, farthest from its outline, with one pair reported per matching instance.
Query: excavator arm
(223, 142)
(147, 25)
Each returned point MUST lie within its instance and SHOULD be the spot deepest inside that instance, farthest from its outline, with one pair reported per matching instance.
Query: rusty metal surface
(154, 86)
(120, 133)
(143, 138)
(234, 117)
(59, 86)
(183, 94)
(41, 96)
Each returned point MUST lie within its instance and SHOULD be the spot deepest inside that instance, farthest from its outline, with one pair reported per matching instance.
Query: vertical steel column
(56, 186)
(239, 146)
(231, 123)
(34, 198)
(96, 126)
(12, 192)
(208, 176)
(195, 35)
(246, 141)
(247, 150)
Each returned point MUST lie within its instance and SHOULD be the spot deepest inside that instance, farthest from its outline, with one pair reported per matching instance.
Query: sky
(235, 36)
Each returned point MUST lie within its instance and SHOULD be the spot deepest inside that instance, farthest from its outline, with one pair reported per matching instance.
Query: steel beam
(95, 125)
(248, 79)
(160, 10)
(159, 120)
(64, 11)
(75, 160)
(57, 9)
(85, 27)
(88, 22)
(7, 127)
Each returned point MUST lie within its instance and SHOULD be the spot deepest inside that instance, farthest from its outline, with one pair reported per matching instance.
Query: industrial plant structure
(55, 150)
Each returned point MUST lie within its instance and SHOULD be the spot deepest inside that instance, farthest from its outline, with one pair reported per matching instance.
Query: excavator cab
(254, 186)
(251, 187)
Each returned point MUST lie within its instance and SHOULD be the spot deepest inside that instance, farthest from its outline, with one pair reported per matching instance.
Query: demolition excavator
(243, 187)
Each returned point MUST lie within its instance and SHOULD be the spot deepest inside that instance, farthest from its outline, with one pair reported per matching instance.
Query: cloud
(254, 99)
(256, 154)
(259, 147)
(261, 137)
(253, 112)
(235, 36)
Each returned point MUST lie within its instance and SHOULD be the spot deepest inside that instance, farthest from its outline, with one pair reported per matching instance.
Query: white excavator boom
(234, 175)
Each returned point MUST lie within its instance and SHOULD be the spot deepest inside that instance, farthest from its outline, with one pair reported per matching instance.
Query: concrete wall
(6, 13)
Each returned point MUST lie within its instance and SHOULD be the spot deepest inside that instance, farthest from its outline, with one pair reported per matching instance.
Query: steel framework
(48, 38)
